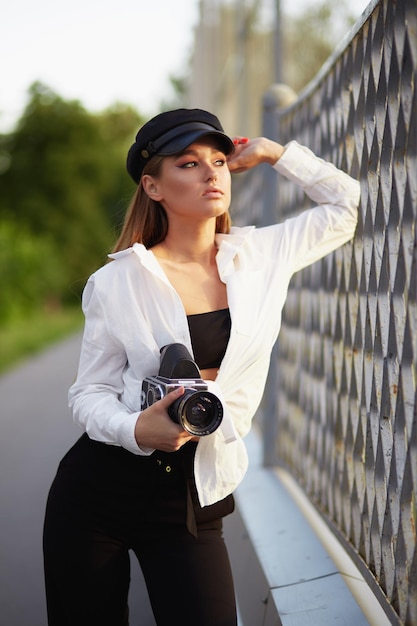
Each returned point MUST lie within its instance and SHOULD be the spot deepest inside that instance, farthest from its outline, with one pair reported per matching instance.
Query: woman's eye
(218, 162)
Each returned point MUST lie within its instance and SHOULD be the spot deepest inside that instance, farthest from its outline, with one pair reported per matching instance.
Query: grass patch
(22, 338)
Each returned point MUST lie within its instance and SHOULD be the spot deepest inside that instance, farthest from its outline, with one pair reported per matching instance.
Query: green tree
(31, 271)
(63, 189)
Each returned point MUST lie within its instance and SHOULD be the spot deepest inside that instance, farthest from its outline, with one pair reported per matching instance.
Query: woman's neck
(185, 247)
(189, 262)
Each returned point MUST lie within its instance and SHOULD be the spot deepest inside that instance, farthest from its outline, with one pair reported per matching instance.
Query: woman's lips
(213, 192)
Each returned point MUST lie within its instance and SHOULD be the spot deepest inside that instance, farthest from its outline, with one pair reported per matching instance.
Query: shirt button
(168, 468)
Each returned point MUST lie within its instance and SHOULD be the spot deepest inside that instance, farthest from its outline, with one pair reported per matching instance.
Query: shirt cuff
(299, 164)
(127, 437)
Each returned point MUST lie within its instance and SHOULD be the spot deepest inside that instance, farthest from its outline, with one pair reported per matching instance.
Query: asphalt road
(36, 431)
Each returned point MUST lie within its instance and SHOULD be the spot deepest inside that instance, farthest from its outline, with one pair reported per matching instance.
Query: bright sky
(96, 51)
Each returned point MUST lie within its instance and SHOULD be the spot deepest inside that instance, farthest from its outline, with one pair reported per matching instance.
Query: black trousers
(105, 501)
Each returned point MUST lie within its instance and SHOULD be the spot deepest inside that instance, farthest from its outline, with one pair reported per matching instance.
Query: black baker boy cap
(170, 132)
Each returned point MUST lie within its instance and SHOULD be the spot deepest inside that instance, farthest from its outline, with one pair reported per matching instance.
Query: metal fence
(344, 417)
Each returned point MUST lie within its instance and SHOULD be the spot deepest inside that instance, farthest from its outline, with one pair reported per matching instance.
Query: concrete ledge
(286, 570)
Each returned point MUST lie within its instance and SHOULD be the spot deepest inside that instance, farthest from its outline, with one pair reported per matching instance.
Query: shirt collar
(228, 245)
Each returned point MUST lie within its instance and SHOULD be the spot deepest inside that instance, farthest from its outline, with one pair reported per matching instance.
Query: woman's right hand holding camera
(155, 429)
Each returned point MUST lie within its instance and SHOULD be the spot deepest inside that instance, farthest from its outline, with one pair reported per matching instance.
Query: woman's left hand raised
(251, 152)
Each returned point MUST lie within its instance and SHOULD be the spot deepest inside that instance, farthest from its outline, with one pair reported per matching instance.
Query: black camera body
(197, 410)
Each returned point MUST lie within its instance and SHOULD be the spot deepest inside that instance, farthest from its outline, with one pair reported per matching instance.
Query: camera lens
(199, 412)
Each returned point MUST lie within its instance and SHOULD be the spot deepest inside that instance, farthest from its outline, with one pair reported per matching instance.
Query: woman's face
(194, 184)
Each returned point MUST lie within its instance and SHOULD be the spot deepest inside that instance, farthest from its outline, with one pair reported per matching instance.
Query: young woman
(136, 480)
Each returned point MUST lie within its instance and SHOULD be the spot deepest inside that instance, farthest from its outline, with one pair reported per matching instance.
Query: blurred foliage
(309, 39)
(31, 270)
(20, 338)
(63, 192)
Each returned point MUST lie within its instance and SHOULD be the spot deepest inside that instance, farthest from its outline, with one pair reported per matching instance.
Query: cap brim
(186, 139)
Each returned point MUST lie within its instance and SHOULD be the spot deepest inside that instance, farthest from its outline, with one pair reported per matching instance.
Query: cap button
(145, 154)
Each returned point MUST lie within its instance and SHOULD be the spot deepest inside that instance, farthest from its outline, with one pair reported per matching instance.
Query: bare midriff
(209, 374)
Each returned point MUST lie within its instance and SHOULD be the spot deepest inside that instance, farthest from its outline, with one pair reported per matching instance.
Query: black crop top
(210, 334)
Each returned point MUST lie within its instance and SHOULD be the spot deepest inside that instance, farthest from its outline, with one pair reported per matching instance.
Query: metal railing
(344, 417)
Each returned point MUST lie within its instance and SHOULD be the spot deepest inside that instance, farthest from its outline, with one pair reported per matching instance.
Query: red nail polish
(244, 140)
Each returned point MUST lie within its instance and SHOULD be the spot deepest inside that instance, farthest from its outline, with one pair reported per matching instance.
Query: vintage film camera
(198, 411)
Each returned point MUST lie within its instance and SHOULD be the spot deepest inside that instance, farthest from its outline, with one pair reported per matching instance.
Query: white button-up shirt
(132, 311)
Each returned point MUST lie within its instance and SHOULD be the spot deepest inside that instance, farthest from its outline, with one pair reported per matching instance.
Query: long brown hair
(146, 221)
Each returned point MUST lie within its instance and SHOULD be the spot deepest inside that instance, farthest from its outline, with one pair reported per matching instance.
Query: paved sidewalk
(36, 430)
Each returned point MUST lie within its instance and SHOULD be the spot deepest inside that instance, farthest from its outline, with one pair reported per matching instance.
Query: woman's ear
(150, 186)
